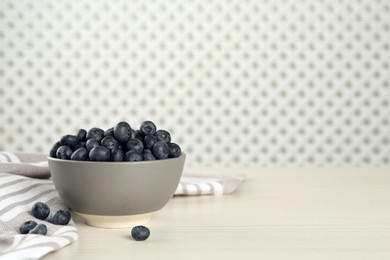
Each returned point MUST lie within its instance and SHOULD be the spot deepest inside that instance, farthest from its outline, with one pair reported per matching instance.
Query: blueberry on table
(61, 217)
(80, 154)
(163, 136)
(95, 133)
(99, 153)
(160, 150)
(147, 128)
(82, 135)
(140, 233)
(149, 141)
(69, 140)
(27, 226)
(135, 144)
(40, 229)
(148, 155)
(54, 149)
(110, 142)
(132, 156)
(91, 143)
(64, 152)
(40, 210)
(122, 132)
(174, 150)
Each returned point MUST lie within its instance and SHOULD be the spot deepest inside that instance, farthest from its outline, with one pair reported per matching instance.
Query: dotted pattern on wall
(269, 83)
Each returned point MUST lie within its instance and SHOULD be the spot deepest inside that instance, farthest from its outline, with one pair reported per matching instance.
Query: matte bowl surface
(117, 189)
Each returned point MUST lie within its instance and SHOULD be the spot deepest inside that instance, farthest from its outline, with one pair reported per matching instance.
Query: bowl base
(115, 221)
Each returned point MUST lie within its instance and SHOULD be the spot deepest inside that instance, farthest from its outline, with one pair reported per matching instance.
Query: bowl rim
(116, 163)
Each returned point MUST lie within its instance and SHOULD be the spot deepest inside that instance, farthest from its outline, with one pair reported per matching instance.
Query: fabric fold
(16, 201)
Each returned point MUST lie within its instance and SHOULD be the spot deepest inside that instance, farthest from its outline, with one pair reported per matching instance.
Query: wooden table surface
(275, 214)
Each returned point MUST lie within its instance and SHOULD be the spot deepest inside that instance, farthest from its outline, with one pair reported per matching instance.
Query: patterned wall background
(268, 83)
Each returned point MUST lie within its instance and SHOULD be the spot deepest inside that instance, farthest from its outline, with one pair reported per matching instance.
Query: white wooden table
(275, 214)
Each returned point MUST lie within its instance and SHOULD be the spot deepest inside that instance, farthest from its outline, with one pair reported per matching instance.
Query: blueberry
(54, 149)
(149, 141)
(136, 134)
(148, 156)
(64, 152)
(147, 128)
(132, 156)
(91, 143)
(109, 132)
(40, 210)
(140, 233)
(27, 226)
(99, 153)
(80, 154)
(122, 132)
(174, 150)
(135, 144)
(82, 144)
(40, 229)
(121, 146)
(61, 217)
(116, 155)
(69, 140)
(95, 133)
(163, 136)
(110, 142)
(81, 135)
(160, 150)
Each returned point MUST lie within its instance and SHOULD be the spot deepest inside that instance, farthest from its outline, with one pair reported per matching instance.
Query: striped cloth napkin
(25, 179)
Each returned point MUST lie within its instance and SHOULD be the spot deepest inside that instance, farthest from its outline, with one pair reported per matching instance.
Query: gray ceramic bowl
(116, 194)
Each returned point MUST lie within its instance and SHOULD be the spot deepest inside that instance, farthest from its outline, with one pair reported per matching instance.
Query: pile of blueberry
(119, 143)
(41, 211)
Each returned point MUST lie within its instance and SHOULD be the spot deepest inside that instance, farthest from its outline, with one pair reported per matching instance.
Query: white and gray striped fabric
(25, 179)
(200, 184)
(17, 196)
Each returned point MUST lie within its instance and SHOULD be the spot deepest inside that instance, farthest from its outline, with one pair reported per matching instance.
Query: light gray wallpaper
(267, 83)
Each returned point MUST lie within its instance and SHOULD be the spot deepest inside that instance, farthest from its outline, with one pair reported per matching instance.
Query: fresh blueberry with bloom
(135, 144)
(61, 217)
(27, 226)
(39, 229)
(160, 150)
(95, 133)
(40, 210)
(140, 233)
(80, 154)
(174, 150)
(116, 155)
(163, 136)
(110, 142)
(148, 155)
(122, 132)
(54, 149)
(99, 153)
(147, 128)
(81, 144)
(64, 152)
(132, 156)
(81, 135)
(109, 132)
(149, 141)
(91, 143)
(69, 140)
